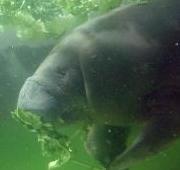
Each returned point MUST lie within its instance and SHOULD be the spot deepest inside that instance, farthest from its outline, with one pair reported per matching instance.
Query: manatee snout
(36, 98)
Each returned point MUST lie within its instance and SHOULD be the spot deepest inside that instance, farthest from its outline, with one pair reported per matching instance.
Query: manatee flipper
(105, 142)
(161, 107)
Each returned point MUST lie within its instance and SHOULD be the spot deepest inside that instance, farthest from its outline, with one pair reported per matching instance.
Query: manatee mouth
(37, 97)
(38, 111)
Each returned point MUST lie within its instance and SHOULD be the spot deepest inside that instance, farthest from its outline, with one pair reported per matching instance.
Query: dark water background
(19, 149)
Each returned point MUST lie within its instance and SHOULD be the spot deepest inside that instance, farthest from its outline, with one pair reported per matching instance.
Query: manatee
(118, 70)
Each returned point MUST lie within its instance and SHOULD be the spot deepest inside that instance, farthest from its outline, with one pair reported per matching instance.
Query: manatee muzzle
(36, 97)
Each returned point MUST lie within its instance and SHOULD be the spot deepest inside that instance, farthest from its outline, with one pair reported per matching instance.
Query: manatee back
(129, 53)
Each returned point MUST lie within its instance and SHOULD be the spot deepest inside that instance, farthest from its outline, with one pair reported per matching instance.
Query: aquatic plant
(54, 145)
(56, 139)
(38, 19)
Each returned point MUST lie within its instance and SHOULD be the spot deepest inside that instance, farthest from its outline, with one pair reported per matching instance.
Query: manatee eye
(61, 72)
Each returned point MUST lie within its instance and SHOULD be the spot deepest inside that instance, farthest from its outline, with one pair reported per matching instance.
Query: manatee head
(53, 95)
(48, 106)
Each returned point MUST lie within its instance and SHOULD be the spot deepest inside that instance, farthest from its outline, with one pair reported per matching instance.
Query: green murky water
(19, 149)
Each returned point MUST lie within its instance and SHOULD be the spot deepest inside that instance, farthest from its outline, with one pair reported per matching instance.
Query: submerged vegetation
(44, 19)
(53, 144)
(59, 146)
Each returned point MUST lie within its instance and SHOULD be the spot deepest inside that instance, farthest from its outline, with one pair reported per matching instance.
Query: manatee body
(125, 67)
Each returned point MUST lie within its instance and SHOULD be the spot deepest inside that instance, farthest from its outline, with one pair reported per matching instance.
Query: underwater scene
(90, 85)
